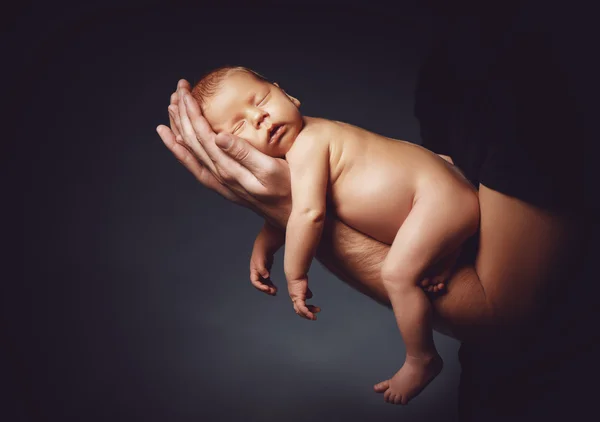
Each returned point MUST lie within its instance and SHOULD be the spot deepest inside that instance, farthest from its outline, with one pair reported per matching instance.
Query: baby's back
(374, 180)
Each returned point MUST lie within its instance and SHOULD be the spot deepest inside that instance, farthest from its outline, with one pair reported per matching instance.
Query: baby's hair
(208, 84)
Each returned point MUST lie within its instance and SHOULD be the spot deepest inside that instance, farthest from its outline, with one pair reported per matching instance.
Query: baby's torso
(374, 180)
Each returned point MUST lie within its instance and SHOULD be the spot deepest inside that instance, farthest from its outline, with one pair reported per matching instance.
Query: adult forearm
(461, 312)
(354, 258)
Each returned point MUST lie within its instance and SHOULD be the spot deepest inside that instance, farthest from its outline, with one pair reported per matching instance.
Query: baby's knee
(397, 277)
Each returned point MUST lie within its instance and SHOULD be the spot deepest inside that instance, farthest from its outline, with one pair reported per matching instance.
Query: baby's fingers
(264, 285)
(314, 309)
(302, 310)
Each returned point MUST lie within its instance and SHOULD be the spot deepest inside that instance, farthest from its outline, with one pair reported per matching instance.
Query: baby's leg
(439, 222)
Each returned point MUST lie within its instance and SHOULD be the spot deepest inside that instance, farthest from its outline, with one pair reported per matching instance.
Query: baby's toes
(438, 280)
(382, 386)
(397, 399)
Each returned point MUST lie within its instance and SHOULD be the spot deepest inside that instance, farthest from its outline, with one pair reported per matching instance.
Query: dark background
(136, 302)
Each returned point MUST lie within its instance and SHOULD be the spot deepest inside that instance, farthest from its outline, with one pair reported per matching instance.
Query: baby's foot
(410, 380)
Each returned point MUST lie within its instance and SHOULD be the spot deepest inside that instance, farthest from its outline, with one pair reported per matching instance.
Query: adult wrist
(278, 216)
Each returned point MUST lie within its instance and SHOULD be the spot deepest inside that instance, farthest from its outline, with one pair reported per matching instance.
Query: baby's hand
(260, 276)
(299, 292)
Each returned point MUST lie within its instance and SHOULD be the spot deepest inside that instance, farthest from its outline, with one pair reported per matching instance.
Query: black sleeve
(432, 97)
(539, 159)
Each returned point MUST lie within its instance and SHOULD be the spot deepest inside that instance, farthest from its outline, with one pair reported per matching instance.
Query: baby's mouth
(273, 133)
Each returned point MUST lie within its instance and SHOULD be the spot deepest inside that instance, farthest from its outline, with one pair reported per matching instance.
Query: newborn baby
(394, 191)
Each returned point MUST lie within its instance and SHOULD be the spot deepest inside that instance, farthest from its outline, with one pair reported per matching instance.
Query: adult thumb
(224, 141)
(242, 152)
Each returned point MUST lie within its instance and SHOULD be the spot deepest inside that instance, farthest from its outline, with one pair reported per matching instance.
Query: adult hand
(225, 163)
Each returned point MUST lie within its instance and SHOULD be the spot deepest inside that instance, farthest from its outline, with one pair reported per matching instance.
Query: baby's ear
(293, 100)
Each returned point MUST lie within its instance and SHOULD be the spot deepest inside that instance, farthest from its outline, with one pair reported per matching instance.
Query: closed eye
(238, 127)
(263, 100)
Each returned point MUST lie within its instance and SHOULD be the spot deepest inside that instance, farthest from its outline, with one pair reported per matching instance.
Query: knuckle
(187, 159)
(225, 177)
(270, 168)
(240, 154)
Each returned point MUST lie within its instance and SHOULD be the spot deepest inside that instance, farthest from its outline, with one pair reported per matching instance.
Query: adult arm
(515, 268)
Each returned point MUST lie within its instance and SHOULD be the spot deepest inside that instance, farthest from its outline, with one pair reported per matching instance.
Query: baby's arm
(268, 241)
(309, 173)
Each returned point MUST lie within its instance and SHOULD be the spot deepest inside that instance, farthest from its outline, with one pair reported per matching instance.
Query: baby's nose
(259, 118)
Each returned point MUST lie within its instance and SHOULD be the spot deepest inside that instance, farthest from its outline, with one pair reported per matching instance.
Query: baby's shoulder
(315, 131)
(317, 128)
(313, 141)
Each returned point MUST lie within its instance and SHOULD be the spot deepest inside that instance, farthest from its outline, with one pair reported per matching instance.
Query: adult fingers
(239, 165)
(230, 164)
(189, 105)
(190, 138)
(173, 113)
(193, 166)
(174, 121)
(242, 152)
(183, 84)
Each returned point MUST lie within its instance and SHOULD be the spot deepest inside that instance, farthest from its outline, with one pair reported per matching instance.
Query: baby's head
(239, 101)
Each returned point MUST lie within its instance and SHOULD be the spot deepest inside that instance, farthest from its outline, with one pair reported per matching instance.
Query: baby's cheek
(252, 141)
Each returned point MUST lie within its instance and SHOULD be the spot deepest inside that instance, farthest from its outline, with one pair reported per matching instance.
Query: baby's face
(256, 111)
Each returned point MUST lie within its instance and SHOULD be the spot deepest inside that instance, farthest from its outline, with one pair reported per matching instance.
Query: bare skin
(516, 270)
(423, 208)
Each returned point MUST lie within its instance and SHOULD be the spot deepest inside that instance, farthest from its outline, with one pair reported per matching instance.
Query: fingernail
(224, 142)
